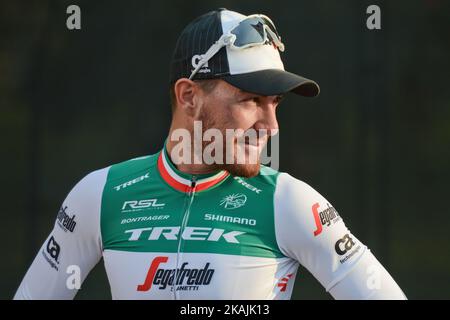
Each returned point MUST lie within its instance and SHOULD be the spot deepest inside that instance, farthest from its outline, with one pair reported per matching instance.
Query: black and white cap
(258, 69)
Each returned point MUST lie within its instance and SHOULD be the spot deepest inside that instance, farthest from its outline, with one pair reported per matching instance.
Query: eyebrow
(242, 92)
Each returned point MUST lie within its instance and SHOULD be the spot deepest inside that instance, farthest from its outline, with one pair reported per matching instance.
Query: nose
(267, 116)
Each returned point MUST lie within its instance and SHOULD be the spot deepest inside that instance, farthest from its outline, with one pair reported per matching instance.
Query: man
(175, 225)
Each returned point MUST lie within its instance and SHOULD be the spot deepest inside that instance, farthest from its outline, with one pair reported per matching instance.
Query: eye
(251, 99)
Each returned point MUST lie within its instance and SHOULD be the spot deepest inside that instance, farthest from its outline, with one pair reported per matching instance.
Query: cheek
(241, 117)
(223, 115)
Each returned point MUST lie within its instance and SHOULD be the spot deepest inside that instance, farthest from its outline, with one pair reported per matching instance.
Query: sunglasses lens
(251, 31)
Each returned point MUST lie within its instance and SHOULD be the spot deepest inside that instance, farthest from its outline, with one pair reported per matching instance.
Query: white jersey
(164, 234)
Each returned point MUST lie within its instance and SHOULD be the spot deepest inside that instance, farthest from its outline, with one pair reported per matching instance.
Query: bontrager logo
(184, 278)
(138, 205)
(234, 201)
(131, 182)
(145, 219)
(189, 233)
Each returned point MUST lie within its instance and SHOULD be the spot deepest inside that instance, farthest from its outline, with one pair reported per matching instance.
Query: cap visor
(272, 82)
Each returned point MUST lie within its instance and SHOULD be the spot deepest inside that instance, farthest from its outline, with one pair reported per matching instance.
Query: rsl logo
(234, 201)
(139, 205)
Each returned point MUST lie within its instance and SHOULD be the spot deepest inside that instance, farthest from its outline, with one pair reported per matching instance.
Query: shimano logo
(131, 182)
(237, 220)
(189, 233)
(138, 205)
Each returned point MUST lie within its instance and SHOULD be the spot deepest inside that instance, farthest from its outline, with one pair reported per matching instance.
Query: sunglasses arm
(223, 41)
(275, 38)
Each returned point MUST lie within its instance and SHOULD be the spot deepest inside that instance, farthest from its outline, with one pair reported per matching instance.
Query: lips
(257, 141)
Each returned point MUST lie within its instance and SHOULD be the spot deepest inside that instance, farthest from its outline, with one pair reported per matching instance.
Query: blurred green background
(375, 142)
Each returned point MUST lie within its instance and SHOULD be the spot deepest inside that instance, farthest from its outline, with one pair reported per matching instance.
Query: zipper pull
(193, 184)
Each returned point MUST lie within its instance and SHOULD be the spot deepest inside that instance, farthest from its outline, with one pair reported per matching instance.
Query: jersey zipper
(187, 210)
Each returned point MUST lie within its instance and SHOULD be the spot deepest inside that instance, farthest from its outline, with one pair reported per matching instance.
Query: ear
(186, 94)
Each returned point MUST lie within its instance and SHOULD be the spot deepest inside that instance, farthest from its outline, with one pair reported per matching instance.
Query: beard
(246, 169)
(243, 170)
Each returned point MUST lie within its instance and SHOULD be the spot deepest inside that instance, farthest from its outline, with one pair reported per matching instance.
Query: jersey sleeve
(72, 248)
(311, 231)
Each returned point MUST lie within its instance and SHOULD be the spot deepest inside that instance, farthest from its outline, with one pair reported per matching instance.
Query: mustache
(254, 137)
(250, 136)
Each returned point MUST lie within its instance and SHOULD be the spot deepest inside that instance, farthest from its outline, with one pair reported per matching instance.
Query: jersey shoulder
(133, 167)
(297, 203)
(295, 189)
(267, 177)
(282, 180)
(116, 171)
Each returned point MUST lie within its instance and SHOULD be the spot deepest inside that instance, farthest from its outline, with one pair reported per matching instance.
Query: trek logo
(51, 253)
(234, 201)
(247, 185)
(343, 245)
(66, 222)
(189, 233)
(185, 278)
(196, 60)
(324, 218)
(131, 182)
(138, 205)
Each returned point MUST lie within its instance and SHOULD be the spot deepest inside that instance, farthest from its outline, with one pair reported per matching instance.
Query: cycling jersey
(165, 234)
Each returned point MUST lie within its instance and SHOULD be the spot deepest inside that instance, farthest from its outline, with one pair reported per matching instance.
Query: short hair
(207, 85)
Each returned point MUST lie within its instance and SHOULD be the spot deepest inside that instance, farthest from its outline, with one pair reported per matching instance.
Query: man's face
(227, 107)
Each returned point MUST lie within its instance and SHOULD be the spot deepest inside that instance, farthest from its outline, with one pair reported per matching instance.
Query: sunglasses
(255, 30)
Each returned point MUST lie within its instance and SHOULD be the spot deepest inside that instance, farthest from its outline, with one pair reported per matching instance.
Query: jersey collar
(183, 181)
